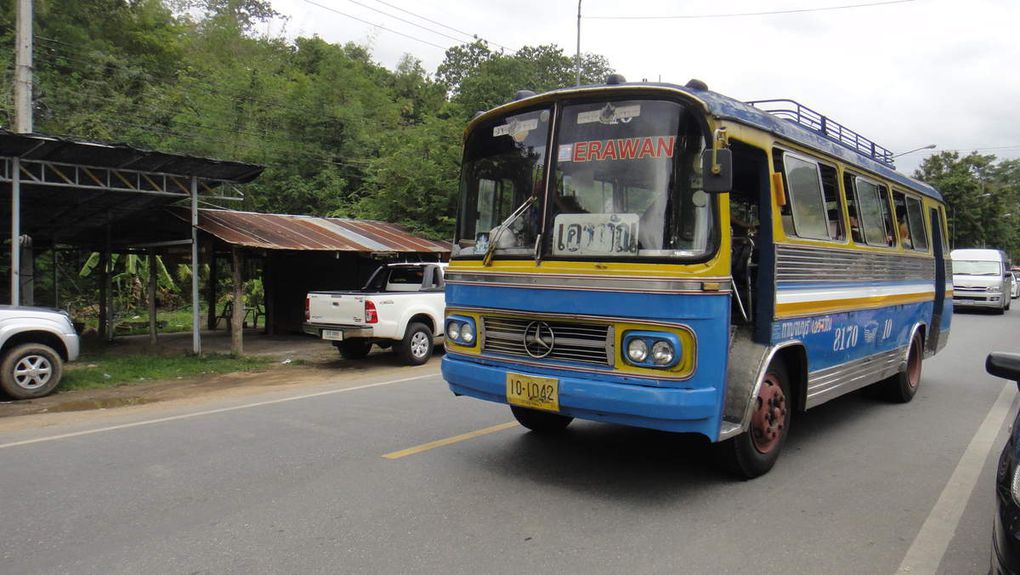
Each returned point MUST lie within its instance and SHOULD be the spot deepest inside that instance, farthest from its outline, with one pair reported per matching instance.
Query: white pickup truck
(401, 306)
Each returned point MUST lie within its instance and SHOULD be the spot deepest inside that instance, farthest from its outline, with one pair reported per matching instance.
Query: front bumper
(693, 410)
(991, 300)
(73, 345)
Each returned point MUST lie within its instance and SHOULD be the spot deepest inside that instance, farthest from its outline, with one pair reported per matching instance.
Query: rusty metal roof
(309, 233)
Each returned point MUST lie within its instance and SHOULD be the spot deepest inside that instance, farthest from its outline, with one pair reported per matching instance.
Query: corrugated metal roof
(121, 156)
(309, 233)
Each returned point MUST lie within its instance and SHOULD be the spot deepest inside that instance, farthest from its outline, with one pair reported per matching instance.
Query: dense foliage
(339, 133)
(983, 197)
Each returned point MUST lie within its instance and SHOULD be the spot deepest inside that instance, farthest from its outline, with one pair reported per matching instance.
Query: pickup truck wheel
(30, 370)
(416, 348)
(354, 349)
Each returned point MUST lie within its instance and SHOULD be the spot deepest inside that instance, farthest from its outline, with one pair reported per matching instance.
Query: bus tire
(416, 347)
(354, 348)
(540, 421)
(902, 387)
(754, 452)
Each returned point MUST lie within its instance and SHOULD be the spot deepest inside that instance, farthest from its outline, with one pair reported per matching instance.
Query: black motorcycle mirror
(1004, 365)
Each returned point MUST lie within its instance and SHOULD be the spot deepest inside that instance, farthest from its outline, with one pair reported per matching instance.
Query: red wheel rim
(769, 418)
(914, 364)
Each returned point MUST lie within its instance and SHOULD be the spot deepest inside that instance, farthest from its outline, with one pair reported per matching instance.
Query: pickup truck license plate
(333, 334)
(534, 392)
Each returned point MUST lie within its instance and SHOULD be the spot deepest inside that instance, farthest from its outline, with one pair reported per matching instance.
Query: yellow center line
(449, 440)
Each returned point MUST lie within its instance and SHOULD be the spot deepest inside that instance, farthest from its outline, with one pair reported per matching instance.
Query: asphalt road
(296, 481)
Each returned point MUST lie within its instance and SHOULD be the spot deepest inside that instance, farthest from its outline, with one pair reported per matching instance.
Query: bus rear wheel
(754, 452)
(540, 421)
(902, 387)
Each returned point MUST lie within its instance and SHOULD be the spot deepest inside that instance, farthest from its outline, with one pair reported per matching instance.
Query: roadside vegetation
(103, 369)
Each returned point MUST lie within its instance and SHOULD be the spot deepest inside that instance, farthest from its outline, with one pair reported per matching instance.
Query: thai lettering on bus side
(803, 327)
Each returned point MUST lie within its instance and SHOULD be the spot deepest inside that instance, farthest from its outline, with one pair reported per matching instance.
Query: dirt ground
(298, 361)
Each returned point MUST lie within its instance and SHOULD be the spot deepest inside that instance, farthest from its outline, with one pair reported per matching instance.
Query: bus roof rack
(825, 127)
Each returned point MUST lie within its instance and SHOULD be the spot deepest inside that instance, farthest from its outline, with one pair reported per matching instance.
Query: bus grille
(574, 342)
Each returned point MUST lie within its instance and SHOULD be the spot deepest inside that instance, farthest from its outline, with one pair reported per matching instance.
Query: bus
(666, 257)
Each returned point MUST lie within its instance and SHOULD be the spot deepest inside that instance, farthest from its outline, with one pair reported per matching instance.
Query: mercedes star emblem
(538, 339)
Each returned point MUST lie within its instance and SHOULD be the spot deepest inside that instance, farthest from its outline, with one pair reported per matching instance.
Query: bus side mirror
(717, 171)
(1004, 365)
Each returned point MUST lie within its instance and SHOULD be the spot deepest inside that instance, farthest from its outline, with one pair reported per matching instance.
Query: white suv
(34, 344)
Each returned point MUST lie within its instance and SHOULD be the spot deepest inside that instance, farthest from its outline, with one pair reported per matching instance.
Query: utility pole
(577, 58)
(23, 69)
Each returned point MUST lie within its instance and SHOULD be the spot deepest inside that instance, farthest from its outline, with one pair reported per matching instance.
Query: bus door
(940, 281)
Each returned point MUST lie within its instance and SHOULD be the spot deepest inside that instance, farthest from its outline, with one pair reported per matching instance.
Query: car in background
(34, 344)
(1016, 284)
(1006, 527)
(981, 278)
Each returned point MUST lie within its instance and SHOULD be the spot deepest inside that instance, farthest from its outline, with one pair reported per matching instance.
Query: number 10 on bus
(533, 392)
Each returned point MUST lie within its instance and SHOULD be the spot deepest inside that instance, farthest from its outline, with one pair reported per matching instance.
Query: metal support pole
(108, 282)
(56, 275)
(577, 58)
(23, 69)
(16, 232)
(196, 337)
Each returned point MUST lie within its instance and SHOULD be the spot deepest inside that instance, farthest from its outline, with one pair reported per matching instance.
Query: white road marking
(211, 411)
(925, 553)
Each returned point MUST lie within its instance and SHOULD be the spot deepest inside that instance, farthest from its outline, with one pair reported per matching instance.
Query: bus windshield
(625, 182)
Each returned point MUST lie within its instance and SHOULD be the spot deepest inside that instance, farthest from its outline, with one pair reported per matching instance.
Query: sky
(904, 74)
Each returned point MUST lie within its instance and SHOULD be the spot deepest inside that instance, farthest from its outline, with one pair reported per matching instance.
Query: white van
(981, 278)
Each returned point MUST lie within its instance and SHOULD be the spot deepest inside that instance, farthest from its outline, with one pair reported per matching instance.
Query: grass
(93, 371)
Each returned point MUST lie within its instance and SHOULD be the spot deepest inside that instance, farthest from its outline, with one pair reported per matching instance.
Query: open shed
(298, 254)
(85, 194)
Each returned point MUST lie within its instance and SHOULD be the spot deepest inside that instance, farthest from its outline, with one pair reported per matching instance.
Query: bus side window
(902, 227)
(851, 206)
(890, 230)
(873, 203)
(812, 209)
(915, 220)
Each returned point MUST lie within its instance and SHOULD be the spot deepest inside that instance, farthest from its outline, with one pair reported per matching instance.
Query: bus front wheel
(755, 451)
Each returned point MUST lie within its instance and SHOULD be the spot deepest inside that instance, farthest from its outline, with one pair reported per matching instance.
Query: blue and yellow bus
(666, 257)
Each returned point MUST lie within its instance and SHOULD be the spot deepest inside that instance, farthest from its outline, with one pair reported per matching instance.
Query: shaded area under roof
(309, 233)
(46, 148)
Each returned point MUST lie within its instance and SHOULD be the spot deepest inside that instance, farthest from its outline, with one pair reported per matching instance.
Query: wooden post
(237, 320)
(214, 279)
(104, 313)
(269, 293)
(153, 275)
(108, 284)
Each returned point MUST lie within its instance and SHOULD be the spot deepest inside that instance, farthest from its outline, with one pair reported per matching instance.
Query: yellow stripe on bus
(848, 304)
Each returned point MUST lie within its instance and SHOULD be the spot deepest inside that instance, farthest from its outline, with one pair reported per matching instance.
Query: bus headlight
(461, 330)
(662, 353)
(654, 349)
(467, 333)
(637, 350)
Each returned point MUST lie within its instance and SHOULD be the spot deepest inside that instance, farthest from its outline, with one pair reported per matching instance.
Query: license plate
(534, 392)
(333, 334)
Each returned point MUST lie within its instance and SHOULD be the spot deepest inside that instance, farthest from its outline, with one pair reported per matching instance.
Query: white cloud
(905, 75)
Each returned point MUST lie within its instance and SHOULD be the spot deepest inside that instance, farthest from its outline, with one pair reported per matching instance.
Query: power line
(744, 14)
(379, 26)
(437, 23)
(405, 21)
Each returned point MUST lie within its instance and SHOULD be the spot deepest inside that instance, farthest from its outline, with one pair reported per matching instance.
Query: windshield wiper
(494, 239)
